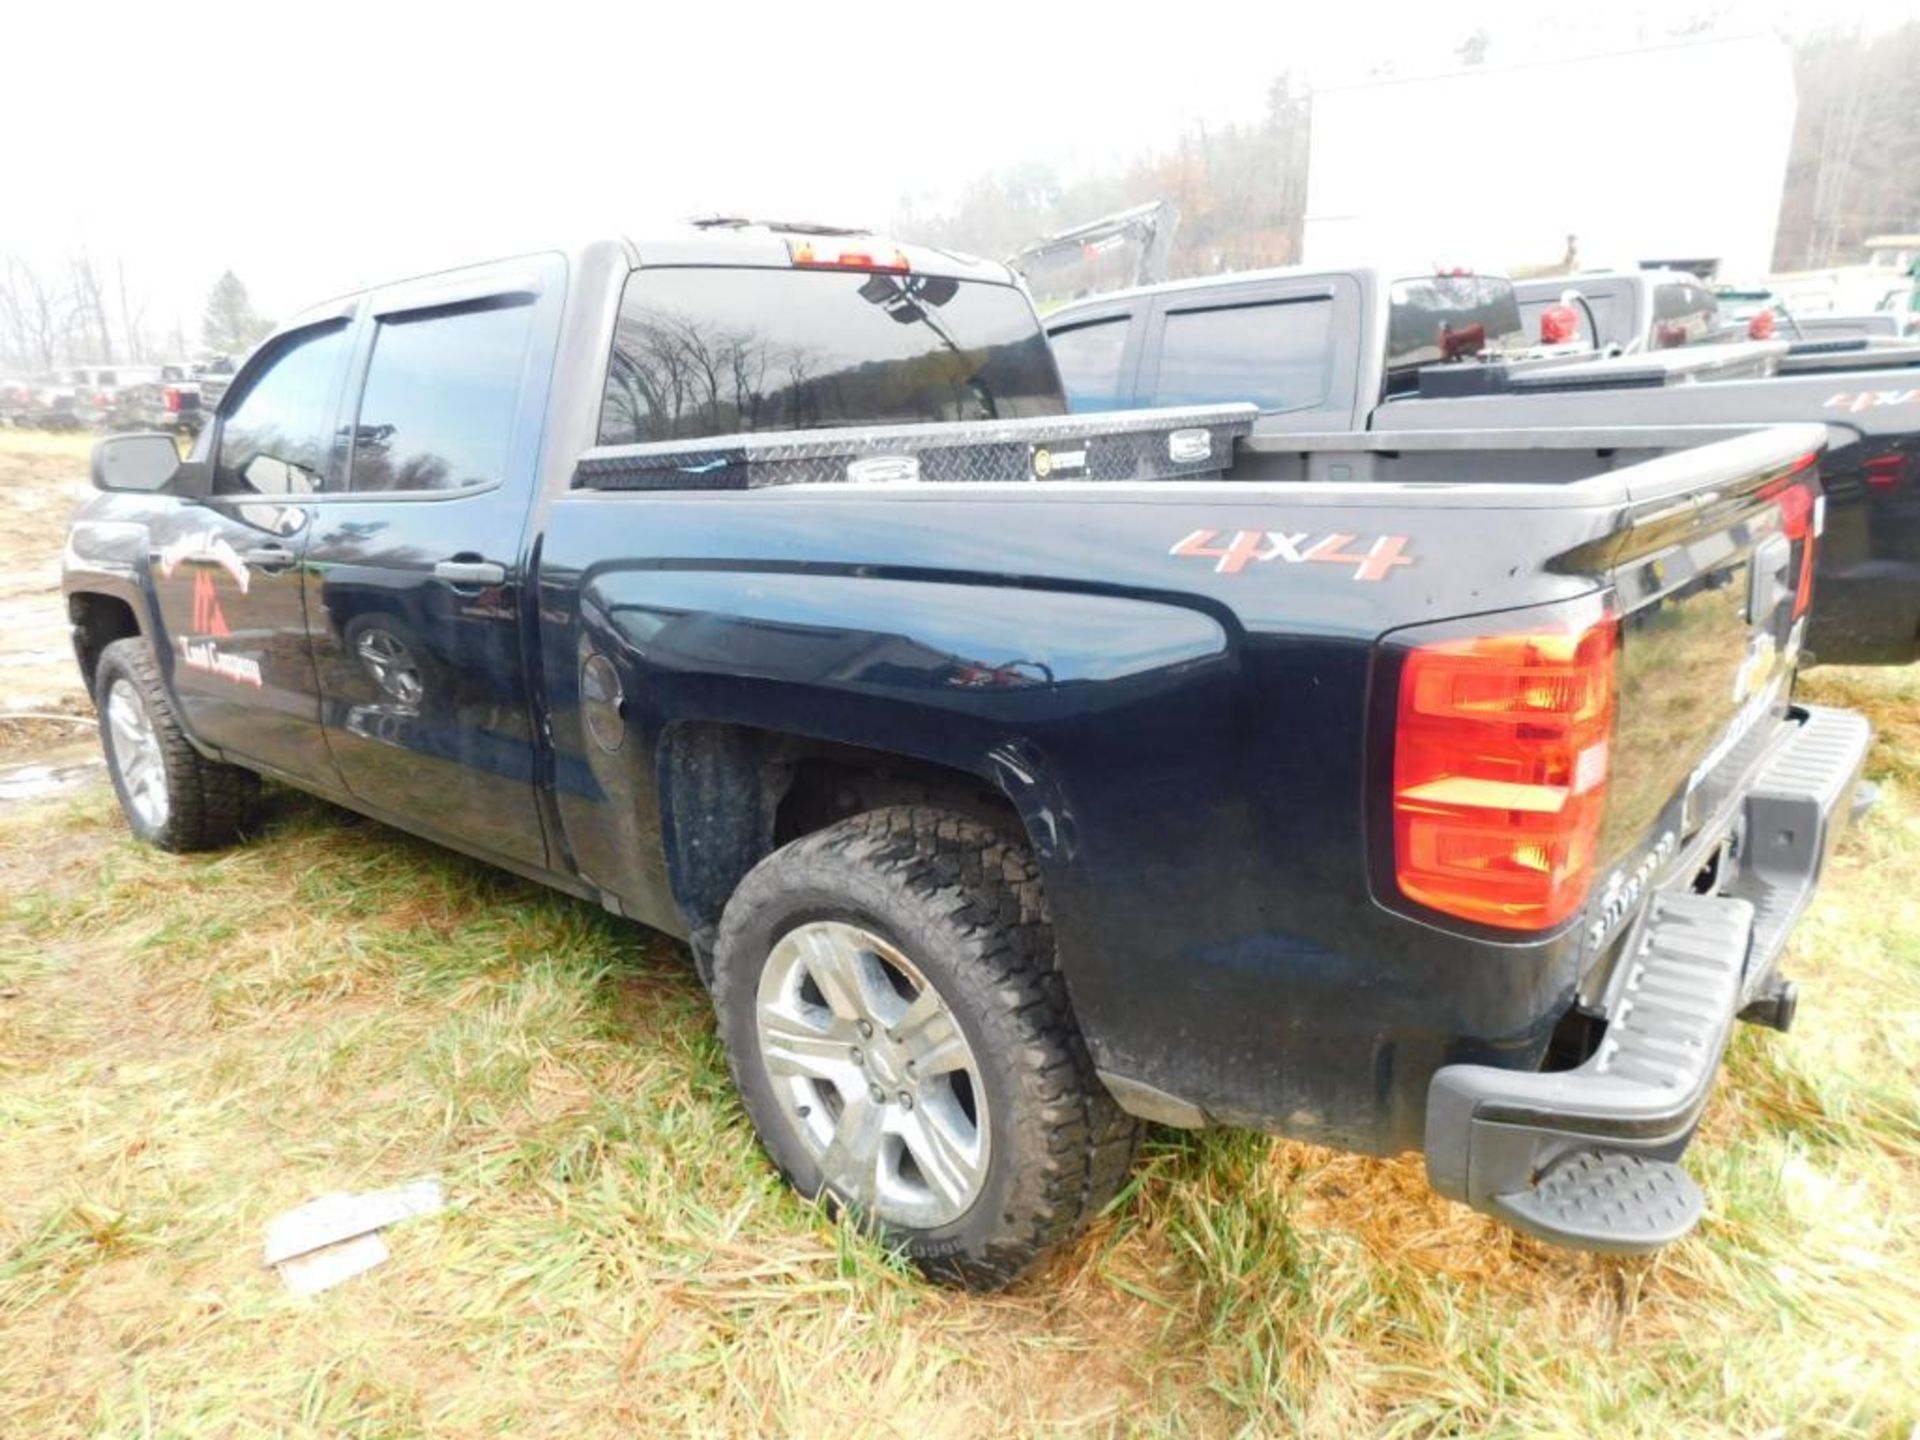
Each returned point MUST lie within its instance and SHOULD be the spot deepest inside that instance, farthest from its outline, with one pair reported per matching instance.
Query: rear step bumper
(1588, 1157)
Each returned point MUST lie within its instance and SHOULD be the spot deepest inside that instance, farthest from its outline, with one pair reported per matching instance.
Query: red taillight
(817, 255)
(1886, 473)
(1500, 772)
(1559, 325)
(1760, 327)
(1798, 504)
(173, 398)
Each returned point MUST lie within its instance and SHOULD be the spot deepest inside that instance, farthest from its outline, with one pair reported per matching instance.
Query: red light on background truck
(1559, 325)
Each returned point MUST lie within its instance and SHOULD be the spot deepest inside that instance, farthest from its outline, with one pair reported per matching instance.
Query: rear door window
(1275, 354)
(1089, 356)
(710, 351)
(438, 408)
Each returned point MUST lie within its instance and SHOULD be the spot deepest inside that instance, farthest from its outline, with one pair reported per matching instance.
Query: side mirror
(135, 462)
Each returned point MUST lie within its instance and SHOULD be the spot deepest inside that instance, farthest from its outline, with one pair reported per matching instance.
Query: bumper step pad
(1588, 1157)
(1583, 1157)
(1609, 1200)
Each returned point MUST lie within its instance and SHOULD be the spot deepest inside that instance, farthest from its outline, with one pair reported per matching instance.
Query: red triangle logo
(208, 617)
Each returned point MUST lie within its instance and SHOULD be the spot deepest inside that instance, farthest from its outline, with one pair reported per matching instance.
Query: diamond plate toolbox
(1193, 443)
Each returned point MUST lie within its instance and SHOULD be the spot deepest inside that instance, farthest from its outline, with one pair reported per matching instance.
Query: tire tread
(209, 804)
(1075, 1145)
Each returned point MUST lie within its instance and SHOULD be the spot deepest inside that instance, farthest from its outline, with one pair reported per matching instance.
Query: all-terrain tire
(206, 804)
(964, 904)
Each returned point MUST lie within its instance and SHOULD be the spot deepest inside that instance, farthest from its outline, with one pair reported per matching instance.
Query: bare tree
(88, 335)
(132, 317)
(30, 315)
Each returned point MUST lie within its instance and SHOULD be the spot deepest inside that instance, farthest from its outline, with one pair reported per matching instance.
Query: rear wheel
(172, 796)
(903, 1043)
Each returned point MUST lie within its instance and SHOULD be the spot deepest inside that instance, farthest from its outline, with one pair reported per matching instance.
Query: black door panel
(414, 572)
(225, 570)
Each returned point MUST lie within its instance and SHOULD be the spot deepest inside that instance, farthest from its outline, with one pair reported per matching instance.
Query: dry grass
(189, 1045)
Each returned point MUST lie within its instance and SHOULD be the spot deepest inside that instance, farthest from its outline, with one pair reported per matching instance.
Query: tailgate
(1713, 580)
(1196, 443)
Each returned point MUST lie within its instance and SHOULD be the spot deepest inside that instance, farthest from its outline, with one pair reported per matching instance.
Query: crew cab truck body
(1013, 775)
(1321, 350)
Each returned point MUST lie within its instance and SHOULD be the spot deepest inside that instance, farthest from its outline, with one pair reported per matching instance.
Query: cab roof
(718, 241)
(736, 240)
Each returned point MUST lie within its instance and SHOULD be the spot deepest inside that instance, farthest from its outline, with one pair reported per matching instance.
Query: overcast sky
(317, 147)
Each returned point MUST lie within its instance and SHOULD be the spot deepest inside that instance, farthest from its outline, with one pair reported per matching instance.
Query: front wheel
(172, 796)
(902, 1041)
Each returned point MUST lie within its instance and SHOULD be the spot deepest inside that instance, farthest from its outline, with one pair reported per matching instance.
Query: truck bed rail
(1193, 443)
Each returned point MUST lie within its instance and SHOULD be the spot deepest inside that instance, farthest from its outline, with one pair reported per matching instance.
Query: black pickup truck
(1013, 775)
(1321, 350)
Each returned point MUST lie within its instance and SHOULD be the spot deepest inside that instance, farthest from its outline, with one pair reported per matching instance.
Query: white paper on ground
(341, 1216)
(321, 1269)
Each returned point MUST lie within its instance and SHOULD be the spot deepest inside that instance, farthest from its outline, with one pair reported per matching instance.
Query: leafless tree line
(1854, 169)
(71, 313)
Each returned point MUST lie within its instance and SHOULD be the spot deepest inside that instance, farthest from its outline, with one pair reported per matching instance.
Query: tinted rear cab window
(1683, 314)
(720, 351)
(1435, 318)
(1605, 309)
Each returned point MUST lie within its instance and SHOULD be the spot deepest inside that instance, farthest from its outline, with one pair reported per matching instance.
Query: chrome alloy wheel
(136, 756)
(873, 1073)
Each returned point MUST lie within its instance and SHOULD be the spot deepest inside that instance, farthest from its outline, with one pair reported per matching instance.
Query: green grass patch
(189, 1045)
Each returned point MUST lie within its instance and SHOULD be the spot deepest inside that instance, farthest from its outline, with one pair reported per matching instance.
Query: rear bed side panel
(1170, 682)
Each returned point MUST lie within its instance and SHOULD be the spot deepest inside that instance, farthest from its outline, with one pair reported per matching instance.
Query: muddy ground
(46, 734)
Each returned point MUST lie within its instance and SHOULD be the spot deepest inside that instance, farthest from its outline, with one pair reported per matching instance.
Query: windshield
(717, 351)
(1450, 317)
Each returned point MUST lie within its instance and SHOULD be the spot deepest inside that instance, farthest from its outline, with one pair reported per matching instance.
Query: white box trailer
(1672, 151)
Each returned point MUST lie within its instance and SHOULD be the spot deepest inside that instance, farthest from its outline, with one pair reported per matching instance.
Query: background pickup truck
(1014, 776)
(1322, 350)
(1636, 311)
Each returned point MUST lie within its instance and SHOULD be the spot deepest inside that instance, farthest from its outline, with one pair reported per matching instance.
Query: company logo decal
(207, 656)
(199, 651)
(205, 547)
(1251, 547)
(1854, 401)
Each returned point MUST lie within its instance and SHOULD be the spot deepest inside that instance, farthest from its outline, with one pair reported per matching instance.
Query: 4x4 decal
(1298, 548)
(1857, 400)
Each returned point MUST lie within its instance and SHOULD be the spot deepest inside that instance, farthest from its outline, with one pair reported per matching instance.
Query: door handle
(470, 573)
(268, 557)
